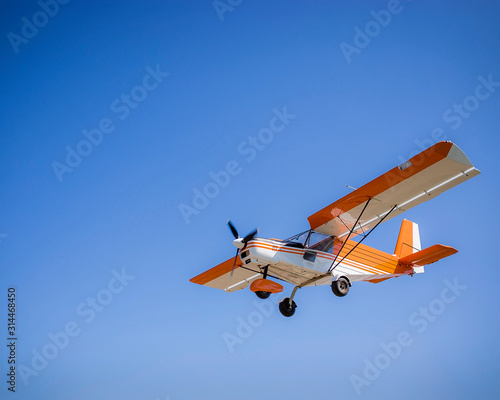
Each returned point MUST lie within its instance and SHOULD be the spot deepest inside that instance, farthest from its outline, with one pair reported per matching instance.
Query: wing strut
(332, 267)
(348, 236)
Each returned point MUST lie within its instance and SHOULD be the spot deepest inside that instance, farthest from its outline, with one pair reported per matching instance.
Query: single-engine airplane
(325, 253)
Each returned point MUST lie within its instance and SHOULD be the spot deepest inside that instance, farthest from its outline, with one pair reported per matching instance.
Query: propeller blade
(250, 236)
(233, 229)
(234, 263)
(245, 240)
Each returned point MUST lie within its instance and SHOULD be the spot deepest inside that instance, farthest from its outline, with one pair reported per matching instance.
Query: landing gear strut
(260, 294)
(287, 306)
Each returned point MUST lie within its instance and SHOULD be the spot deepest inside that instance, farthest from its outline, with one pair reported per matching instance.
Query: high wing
(428, 174)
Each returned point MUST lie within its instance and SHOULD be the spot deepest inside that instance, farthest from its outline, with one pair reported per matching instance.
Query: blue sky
(115, 114)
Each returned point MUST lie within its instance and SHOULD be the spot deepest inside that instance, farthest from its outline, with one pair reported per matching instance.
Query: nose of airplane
(239, 243)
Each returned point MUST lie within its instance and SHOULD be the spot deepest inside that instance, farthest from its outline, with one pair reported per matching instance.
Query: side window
(310, 255)
(321, 242)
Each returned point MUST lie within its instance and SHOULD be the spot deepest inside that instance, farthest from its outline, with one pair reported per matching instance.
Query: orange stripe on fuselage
(290, 250)
(370, 257)
(372, 260)
(363, 258)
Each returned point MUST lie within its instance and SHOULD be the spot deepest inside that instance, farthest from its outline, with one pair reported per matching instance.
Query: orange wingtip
(265, 285)
(216, 272)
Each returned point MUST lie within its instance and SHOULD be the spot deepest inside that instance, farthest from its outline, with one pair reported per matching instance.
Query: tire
(340, 287)
(285, 308)
(263, 295)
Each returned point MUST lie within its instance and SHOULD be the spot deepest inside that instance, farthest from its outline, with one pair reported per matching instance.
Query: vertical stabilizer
(408, 239)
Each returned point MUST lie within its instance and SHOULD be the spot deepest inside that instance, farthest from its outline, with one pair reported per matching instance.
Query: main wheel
(262, 295)
(285, 308)
(340, 287)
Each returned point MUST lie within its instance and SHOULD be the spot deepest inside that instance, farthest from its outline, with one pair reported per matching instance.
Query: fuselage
(298, 263)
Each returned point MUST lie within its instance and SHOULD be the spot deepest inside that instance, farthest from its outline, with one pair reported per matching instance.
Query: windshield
(313, 240)
(299, 238)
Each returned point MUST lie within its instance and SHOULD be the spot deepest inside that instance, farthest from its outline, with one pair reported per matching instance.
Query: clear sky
(116, 115)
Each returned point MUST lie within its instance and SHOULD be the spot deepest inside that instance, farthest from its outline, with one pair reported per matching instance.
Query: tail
(408, 239)
(409, 250)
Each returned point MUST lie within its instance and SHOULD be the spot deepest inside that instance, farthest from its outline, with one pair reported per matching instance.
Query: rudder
(408, 239)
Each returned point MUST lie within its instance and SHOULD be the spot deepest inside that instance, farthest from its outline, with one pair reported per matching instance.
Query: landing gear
(287, 306)
(340, 287)
(264, 287)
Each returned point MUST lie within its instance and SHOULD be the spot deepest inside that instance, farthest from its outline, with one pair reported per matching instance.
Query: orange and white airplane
(325, 253)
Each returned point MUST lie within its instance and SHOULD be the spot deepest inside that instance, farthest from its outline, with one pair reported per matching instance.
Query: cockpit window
(320, 242)
(312, 240)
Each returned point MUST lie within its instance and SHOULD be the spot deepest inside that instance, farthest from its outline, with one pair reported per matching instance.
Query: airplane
(325, 254)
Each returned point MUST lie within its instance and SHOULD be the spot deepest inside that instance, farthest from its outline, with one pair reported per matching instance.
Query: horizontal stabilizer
(428, 255)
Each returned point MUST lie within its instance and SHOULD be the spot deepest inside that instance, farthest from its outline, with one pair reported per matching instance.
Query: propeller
(239, 242)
